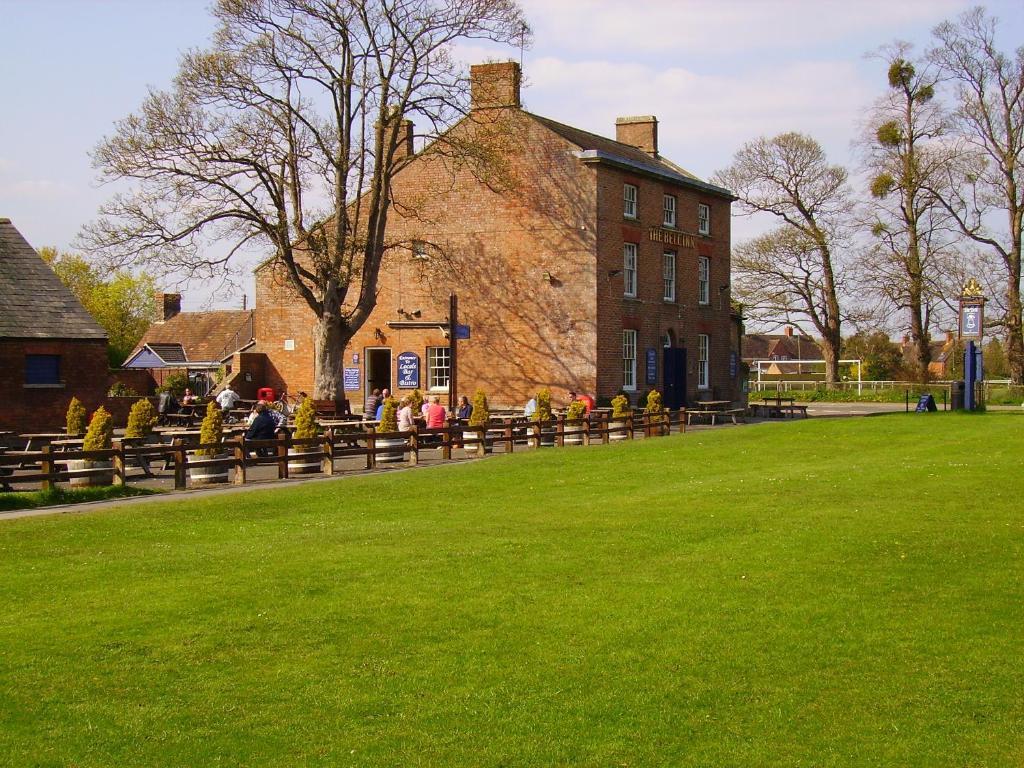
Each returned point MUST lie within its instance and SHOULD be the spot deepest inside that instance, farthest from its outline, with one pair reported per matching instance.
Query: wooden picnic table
(714, 405)
(35, 441)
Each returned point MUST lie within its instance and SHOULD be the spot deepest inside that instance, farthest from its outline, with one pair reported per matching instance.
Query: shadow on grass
(35, 499)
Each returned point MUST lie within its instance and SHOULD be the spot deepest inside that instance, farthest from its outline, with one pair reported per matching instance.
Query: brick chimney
(494, 85)
(404, 146)
(167, 306)
(788, 330)
(640, 132)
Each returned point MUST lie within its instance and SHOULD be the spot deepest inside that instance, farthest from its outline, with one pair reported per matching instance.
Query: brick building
(50, 347)
(579, 262)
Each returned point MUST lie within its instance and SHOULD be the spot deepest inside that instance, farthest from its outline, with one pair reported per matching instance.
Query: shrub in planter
(389, 423)
(416, 402)
(75, 417)
(99, 437)
(620, 413)
(543, 414)
(654, 409)
(210, 433)
(480, 417)
(141, 419)
(574, 432)
(306, 426)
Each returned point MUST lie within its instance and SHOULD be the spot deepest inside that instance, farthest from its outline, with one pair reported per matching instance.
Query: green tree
(285, 136)
(122, 303)
(996, 364)
(881, 359)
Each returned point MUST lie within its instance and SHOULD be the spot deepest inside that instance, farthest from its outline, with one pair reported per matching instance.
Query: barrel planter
(620, 425)
(547, 437)
(207, 475)
(390, 456)
(81, 481)
(573, 435)
(299, 464)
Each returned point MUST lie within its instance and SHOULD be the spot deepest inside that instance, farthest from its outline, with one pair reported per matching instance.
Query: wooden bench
(328, 409)
(713, 416)
(792, 409)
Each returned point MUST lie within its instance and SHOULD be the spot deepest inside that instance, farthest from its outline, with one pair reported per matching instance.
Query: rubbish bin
(265, 393)
(956, 395)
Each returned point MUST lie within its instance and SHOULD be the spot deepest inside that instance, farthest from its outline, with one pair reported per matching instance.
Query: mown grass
(817, 593)
(12, 500)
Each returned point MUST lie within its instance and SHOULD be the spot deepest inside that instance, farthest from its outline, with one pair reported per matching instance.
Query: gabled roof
(779, 346)
(34, 303)
(201, 336)
(595, 148)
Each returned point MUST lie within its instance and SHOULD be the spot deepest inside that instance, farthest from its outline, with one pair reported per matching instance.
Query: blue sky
(717, 73)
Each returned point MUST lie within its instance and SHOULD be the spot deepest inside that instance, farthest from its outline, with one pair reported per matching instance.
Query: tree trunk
(830, 352)
(1014, 339)
(331, 336)
(919, 336)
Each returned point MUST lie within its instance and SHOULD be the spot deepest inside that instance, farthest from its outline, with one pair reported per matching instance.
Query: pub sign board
(351, 378)
(652, 365)
(972, 318)
(408, 370)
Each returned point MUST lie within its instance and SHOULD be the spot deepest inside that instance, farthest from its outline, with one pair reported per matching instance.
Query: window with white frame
(703, 219)
(703, 347)
(629, 269)
(668, 273)
(439, 367)
(703, 279)
(629, 193)
(669, 211)
(629, 360)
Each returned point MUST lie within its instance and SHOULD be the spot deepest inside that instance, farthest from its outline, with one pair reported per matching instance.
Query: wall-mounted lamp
(378, 334)
(614, 273)
(723, 288)
(547, 276)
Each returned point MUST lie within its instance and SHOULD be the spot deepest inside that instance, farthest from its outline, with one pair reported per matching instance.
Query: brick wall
(83, 368)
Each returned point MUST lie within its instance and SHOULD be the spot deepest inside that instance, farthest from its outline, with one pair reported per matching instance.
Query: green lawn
(818, 593)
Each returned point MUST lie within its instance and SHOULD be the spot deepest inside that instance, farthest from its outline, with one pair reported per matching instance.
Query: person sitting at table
(436, 413)
(465, 409)
(406, 420)
(531, 407)
(167, 403)
(189, 398)
(370, 406)
(587, 400)
(262, 428)
(227, 399)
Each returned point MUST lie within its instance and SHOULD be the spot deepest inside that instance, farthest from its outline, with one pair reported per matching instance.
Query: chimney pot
(495, 85)
(640, 132)
(167, 306)
(404, 146)
(788, 330)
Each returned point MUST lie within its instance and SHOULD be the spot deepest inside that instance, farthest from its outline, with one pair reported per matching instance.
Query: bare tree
(987, 184)
(906, 157)
(285, 136)
(793, 270)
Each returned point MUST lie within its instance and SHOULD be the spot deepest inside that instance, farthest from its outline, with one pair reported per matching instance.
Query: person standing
(227, 399)
(370, 405)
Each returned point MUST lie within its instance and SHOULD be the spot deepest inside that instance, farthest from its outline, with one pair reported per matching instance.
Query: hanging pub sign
(408, 370)
(972, 311)
(652, 365)
(351, 379)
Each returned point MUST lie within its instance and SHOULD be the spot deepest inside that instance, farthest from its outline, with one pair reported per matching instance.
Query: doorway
(378, 369)
(674, 367)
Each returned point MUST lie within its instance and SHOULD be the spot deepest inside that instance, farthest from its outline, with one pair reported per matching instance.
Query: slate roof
(779, 346)
(602, 148)
(34, 303)
(204, 336)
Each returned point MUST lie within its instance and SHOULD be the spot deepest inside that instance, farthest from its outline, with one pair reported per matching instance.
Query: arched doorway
(673, 371)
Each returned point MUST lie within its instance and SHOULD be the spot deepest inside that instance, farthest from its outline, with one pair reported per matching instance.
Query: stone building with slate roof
(50, 348)
(594, 264)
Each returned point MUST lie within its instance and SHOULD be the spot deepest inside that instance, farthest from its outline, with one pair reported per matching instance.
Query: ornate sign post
(972, 328)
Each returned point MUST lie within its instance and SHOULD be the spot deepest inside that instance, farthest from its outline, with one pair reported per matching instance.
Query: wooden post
(179, 463)
(630, 425)
(414, 446)
(371, 448)
(586, 430)
(327, 462)
(560, 432)
(447, 439)
(283, 441)
(682, 420)
(509, 441)
(481, 443)
(604, 428)
(534, 434)
(119, 463)
(46, 467)
(239, 455)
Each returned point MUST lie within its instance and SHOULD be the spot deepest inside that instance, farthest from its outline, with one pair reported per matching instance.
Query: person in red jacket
(436, 413)
(587, 401)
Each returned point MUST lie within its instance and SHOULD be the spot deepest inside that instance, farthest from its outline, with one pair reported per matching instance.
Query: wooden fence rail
(47, 467)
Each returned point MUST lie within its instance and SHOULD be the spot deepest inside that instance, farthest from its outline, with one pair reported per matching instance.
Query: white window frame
(630, 197)
(703, 280)
(668, 276)
(629, 259)
(703, 219)
(668, 211)
(439, 368)
(629, 359)
(703, 352)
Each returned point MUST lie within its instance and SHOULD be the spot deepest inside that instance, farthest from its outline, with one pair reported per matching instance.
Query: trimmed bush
(576, 410)
(141, 419)
(101, 431)
(416, 402)
(175, 384)
(306, 425)
(76, 417)
(212, 430)
(654, 408)
(389, 416)
(543, 412)
(481, 410)
(620, 407)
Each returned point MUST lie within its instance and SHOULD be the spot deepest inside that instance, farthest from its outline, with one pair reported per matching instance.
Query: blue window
(42, 369)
